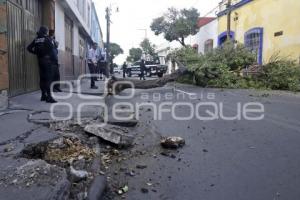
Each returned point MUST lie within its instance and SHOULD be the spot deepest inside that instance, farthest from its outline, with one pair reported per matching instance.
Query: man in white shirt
(92, 63)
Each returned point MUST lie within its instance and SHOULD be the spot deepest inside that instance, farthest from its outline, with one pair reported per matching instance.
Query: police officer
(124, 68)
(42, 47)
(56, 74)
(142, 68)
(102, 63)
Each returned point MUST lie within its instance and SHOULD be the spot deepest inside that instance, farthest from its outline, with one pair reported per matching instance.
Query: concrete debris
(78, 175)
(128, 123)
(131, 173)
(144, 190)
(59, 151)
(26, 178)
(72, 149)
(172, 142)
(141, 166)
(111, 133)
(97, 188)
(8, 148)
(123, 190)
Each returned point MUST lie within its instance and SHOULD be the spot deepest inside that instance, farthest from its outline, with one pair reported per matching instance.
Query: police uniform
(42, 46)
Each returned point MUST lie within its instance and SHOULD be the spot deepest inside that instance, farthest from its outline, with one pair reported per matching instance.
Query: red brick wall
(4, 82)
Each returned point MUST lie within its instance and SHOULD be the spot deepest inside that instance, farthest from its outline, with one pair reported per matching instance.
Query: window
(223, 37)
(208, 45)
(254, 42)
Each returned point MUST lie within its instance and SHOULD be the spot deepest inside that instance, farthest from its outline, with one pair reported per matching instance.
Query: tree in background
(115, 50)
(148, 48)
(135, 54)
(176, 25)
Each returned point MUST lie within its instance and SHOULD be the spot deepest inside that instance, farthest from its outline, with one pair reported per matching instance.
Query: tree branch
(113, 87)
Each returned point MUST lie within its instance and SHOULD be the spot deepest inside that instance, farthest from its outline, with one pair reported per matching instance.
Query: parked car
(152, 68)
(117, 70)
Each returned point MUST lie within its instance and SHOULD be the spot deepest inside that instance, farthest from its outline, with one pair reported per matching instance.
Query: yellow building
(267, 27)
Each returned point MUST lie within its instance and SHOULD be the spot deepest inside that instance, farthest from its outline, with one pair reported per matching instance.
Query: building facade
(76, 30)
(19, 22)
(267, 27)
(96, 32)
(207, 37)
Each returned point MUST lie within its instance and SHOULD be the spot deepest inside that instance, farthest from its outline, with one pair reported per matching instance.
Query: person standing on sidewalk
(42, 47)
(92, 63)
(56, 74)
(124, 68)
(143, 68)
(102, 63)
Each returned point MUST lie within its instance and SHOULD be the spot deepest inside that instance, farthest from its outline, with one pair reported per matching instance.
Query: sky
(135, 15)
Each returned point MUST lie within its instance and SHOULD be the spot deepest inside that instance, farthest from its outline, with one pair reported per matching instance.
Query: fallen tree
(117, 85)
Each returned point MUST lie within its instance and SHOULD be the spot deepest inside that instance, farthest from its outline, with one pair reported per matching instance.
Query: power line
(211, 11)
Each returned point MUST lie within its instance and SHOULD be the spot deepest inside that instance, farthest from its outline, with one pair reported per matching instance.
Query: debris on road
(144, 190)
(78, 175)
(60, 151)
(123, 123)
(72, 149)
(123, 190)
(141, 166)
(172, 142)
(111, 133)
(8, 148)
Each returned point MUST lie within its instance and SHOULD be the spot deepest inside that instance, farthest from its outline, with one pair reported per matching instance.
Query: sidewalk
(84, 87)
(27, 123)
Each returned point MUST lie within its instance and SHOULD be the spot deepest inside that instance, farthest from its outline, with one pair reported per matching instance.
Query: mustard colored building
(267, 27)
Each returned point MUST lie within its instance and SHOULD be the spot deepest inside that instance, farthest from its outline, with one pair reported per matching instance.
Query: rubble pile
(68, 150)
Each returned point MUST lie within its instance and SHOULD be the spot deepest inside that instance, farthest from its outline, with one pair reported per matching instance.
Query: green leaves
(148, 48)
(115, 50)
(282, 74)
(135, 54)
(176, 25)
(222, 68)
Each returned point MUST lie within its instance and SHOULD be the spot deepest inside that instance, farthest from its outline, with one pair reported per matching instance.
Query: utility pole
(228, 19)
(108, 41)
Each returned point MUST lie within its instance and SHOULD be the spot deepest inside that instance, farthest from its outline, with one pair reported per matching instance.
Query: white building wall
(60, 26)
(209, 31)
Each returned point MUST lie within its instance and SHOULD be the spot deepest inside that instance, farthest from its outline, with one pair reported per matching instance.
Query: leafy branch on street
(223, 67)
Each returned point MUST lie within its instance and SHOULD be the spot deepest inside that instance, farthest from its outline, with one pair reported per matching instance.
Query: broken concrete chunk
(141, 166)
(128, 123)
(172, 142)
(78, 175)
(111, 133)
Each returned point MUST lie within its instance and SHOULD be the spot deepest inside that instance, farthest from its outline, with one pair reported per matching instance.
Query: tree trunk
(116, 85)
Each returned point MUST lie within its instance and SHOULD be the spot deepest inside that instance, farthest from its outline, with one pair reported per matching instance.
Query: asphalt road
(222, 160)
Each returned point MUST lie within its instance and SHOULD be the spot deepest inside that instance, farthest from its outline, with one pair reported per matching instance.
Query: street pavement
(236, 159)
(222, 160)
